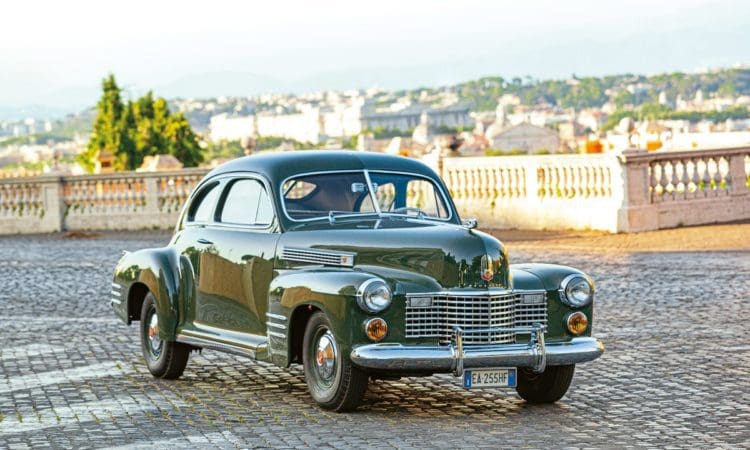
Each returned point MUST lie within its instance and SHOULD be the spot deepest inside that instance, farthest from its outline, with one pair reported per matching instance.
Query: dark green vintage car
(356, 265)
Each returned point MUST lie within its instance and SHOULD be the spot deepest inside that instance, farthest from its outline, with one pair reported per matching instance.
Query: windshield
(409, 195)
(344, 193)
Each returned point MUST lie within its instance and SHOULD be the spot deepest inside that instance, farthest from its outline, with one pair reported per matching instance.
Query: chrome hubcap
(325, 357)
(153, 335)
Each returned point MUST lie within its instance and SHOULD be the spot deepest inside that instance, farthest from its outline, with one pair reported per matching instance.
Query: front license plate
(482, 378)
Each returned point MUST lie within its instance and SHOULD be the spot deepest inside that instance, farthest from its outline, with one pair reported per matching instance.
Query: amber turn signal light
(577, 323)
(376, 329)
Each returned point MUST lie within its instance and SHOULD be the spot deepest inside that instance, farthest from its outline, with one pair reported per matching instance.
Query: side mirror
(470, 223)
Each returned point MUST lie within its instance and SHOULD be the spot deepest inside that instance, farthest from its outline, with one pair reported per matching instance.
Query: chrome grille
(473, 314)
(528, 314)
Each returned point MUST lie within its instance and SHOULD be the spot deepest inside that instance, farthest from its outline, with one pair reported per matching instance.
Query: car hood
(418, 255)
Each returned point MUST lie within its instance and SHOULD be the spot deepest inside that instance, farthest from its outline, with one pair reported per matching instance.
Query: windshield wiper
(405, 210)
(333, 215)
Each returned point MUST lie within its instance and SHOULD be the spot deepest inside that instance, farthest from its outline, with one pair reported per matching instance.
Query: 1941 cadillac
(357, 266)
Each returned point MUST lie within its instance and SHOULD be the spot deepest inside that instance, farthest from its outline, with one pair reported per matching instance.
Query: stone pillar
(152, 211)
(737, 175)
(531, 170)
(53, 204)
(636, 213)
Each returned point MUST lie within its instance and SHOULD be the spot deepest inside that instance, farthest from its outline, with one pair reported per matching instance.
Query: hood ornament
(486, 268)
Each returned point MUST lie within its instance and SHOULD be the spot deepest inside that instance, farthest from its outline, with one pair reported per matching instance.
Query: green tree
(144, 127)
(181, 141)
(109, 133)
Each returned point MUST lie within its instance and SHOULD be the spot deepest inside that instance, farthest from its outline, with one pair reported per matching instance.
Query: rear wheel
(545, 387)
(165, 359)
(333, 381)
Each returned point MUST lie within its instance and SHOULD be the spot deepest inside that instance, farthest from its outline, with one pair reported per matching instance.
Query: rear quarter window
(203, 204)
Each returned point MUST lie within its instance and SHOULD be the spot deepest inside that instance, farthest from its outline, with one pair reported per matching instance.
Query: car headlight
(576, 291)
(374, 295)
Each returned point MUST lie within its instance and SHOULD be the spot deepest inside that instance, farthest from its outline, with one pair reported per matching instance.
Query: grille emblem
(486, 268)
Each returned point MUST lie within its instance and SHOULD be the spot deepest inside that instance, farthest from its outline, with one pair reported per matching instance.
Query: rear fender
(163, 272)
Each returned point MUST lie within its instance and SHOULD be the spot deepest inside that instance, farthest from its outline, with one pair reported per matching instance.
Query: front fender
(332, 291)
(160, 271)
(537, 276)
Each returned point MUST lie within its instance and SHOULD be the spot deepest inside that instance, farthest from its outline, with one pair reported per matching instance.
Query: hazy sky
(55, 52)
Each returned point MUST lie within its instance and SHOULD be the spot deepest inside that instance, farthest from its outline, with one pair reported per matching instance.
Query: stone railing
(536, 192)
(29, 205)
(693, 187)
(121, 201)
(633, 191)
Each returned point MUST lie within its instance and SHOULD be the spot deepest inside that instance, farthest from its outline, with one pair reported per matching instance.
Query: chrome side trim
(115, 301)
(276, 334)
(276, 316)
(276, 325)
(205, 343)
(318, 256)
(197, 339)
(115, 293)
(116, 286)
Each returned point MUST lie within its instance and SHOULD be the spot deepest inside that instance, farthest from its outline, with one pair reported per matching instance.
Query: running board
(257, 352)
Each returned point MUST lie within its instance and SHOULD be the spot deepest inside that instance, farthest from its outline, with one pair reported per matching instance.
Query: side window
(265, 209)
(247, 203)
(423, 195)
(203, 204)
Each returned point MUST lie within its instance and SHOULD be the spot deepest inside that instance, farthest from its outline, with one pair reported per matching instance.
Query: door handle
(204, 241)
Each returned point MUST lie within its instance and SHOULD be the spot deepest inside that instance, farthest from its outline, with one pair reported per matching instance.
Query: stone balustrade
(692, 187)
(120, 201)
(537, 192)
(633, 191)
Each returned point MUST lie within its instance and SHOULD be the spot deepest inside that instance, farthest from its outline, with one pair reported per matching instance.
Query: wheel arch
(297, 325)
(136, 296)
(162, 273)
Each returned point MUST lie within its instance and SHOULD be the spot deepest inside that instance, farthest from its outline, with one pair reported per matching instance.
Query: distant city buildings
(336, 117)
(440, 121)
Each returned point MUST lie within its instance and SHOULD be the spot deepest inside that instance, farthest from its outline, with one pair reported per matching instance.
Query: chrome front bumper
(455, 357)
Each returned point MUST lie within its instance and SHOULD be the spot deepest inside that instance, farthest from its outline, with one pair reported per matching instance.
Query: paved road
(676, 372)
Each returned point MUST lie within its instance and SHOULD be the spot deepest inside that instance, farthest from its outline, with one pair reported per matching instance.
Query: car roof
(278, 166)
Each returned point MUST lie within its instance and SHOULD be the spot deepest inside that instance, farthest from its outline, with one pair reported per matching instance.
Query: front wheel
(165, 359)
(333, 381)
(545, 387)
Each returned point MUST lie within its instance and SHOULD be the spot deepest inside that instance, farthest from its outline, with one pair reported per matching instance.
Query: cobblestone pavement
(676, 372)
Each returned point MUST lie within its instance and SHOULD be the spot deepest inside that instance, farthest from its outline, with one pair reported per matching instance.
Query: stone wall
(633, 191)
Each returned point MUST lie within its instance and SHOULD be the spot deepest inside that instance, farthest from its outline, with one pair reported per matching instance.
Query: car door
(195, 242)
(240, 273)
